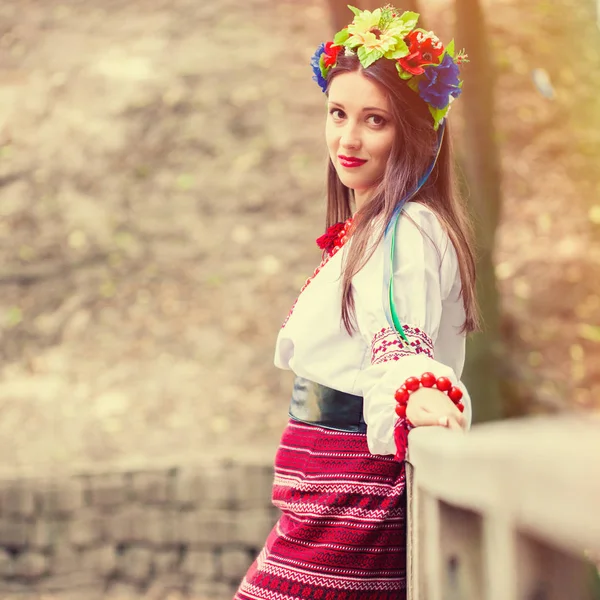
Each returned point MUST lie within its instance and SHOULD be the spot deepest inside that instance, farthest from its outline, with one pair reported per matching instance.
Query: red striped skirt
(341, 535)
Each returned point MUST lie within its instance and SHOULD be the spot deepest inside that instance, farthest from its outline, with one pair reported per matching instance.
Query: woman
(377, 335)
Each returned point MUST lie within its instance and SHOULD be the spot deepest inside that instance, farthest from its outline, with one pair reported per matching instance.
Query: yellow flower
(383, 41)
(365, 22)
(379, 36)
(398, 29)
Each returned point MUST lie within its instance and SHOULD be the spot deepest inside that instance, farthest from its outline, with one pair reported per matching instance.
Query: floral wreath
(429, 69)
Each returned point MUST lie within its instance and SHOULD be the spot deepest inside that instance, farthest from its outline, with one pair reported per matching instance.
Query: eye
(336, 114)
(376, 120)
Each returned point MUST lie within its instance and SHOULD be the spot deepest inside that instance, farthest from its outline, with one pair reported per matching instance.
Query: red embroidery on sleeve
(388, 345)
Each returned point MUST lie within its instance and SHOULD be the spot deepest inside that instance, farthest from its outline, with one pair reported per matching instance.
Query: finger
(421, 418)
(454, 424)
(458, 418)
(455, 414)
(451, 423)
(448, 408)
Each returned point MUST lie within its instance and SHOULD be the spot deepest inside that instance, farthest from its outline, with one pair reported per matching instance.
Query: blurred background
(162, 181)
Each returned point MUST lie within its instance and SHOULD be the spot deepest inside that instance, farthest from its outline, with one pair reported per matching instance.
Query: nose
(350, 137)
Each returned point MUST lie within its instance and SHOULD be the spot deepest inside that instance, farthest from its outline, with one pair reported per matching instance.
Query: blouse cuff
(380, 380)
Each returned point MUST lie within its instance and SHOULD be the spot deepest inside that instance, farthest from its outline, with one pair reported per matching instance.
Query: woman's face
(359, 132)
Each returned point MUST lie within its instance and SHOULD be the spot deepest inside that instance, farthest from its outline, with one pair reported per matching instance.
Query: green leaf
(404, 74)
(352, 42)
(355, 10)
(413, 84)
(410, 19)
(438, 114)
(401, 50)
(450, 49)
(386, 18)
(341, 36)
(322, 66)
(368, 57)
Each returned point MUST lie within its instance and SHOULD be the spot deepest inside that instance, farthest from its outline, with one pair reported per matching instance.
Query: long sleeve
(428, 304)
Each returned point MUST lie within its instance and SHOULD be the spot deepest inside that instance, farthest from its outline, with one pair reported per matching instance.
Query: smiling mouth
(350, 161)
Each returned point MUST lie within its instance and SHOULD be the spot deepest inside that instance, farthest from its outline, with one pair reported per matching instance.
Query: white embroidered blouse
(375, 361)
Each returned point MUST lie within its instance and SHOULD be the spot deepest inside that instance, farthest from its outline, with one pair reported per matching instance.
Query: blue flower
(314, 63)
(440, 82)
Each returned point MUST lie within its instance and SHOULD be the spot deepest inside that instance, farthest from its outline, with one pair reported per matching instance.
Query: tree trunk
(339, 13)
(481, 165)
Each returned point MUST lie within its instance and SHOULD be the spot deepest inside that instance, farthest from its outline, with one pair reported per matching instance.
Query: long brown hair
(413, 149)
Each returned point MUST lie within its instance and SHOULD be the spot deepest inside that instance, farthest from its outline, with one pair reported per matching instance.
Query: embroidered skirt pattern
(341, 535)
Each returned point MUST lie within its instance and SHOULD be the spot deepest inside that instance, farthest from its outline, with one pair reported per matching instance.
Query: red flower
(330, 55)
(328, 240)
(425, 49)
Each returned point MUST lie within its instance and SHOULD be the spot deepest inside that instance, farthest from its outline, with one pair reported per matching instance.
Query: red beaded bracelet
(428, 380)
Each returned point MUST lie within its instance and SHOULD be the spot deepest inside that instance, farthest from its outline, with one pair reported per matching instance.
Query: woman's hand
(428, 406)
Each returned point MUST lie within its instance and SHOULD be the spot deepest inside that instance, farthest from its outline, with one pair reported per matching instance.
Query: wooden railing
(509, 511)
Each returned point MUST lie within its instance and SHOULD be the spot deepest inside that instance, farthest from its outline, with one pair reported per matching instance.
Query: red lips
(350, 161)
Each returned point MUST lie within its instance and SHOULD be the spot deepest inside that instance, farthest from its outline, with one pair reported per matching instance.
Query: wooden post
(506, 512)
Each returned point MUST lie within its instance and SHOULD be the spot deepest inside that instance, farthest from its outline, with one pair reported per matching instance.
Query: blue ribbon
(389, 244)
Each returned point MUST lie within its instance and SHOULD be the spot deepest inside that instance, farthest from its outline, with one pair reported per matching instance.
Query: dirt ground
(161, 187)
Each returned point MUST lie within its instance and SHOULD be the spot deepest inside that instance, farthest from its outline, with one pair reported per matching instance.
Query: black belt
(317, 404)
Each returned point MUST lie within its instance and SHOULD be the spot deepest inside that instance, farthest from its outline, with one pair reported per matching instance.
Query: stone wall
(182, 532)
